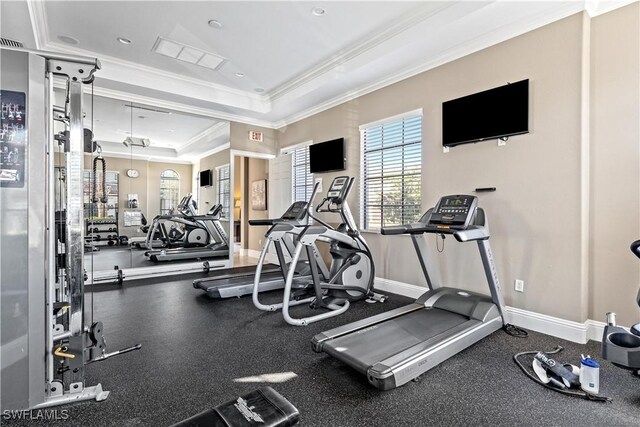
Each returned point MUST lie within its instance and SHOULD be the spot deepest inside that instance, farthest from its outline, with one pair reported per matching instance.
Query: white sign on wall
(255, 136)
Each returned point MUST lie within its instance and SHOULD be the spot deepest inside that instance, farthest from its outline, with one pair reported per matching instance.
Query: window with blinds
(391, 172)
(301, 179)
(222, 188)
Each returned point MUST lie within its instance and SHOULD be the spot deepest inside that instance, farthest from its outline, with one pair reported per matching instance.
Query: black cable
(515, 331)
(580, 394)
(92, 267)
(438, 248)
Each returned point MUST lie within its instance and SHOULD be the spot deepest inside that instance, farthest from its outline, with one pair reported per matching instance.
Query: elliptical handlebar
(399, 229)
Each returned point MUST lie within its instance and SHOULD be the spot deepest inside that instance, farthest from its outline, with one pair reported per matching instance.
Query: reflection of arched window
(169, 190)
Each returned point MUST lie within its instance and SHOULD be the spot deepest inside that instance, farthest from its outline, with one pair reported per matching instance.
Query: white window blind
(224, 194)
(391, 172)
(169, 191)
(301, 179)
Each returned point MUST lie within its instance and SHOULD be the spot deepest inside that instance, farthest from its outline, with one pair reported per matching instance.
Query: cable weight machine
(42, 239)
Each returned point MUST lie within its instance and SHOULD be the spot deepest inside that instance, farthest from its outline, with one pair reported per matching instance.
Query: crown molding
(217, 129)
(368, 42)
(212, 151)
(488, 39)
(152, 78)
(170, 105)
(599, 7)
(148, 158)
(39, 24)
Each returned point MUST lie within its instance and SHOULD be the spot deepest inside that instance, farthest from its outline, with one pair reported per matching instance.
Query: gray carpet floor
(197, 353)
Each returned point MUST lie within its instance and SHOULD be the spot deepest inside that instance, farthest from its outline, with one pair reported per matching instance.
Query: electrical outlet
(518, 285)
(260, 241)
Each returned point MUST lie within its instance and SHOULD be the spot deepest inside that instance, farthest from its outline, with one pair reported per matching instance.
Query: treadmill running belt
(369, 346)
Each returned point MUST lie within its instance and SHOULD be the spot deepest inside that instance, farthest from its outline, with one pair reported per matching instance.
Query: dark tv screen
(206, 178)
(491, 114)
(327, 156)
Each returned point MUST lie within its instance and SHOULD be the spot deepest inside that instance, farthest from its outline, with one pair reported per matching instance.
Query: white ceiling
(303, 63)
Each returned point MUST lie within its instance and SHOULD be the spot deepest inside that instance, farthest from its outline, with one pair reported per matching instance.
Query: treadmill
(236, 282)
(396, 347)
(218, 245)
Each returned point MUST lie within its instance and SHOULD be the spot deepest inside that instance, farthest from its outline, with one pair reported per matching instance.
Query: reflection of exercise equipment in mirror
(190, 236)
(621, 346)
(47, 343)
(236, 282)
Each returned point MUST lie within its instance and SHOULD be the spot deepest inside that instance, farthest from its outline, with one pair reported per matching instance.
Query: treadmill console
(338, 189)
(296, 212)
(453, 212)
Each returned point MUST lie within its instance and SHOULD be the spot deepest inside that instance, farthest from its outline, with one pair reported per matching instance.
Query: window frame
(309, 180)
(365, 227)
(175, 178)
(226, 214)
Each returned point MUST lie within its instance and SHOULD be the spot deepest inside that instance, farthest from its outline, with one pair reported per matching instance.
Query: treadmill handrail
(258, 222)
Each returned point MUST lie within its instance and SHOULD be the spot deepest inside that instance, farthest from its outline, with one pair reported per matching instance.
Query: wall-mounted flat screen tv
(491, 114)
(327, 156)
(206, 178)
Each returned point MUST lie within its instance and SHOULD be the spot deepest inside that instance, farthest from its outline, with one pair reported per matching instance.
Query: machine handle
(400, 229)
(261, 222)
(312, 229)
(283, 226)
(635, 248)
(62, 352)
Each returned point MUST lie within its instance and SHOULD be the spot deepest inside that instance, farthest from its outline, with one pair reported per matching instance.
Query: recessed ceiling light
(142, 117)
(123, 40)
(215, 24)
(171, 130)
(259, 90)
(68, 39)
(127, 132)
(319, 11)
(239, 74)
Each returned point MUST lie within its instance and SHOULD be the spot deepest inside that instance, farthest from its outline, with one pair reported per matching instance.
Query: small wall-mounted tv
(206, 178)
(327, 156)
(491, 114)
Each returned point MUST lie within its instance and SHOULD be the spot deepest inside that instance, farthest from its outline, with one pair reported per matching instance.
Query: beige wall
(535, 214)
(239, 139)
(615, 167)
(207, 196)
(146, 186)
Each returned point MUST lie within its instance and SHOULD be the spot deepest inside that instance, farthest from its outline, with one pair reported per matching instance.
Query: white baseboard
(554, 326)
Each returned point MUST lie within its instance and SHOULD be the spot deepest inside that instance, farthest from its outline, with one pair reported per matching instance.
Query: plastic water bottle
(590, 375)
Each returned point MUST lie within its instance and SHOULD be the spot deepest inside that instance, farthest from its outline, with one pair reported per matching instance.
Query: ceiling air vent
(189, 54)
(10, 43)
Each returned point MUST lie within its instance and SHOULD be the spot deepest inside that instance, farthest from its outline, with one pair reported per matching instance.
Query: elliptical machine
(352, 270)
(619, 345)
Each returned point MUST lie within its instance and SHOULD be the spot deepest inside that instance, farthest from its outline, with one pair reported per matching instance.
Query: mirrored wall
(146, 207)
